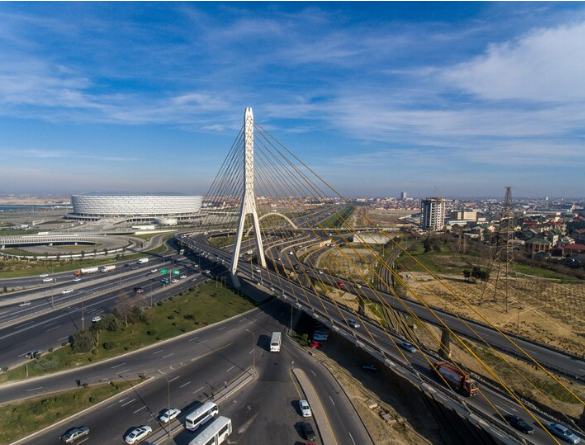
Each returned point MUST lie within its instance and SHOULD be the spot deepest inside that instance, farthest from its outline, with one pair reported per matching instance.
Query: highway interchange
(222, 348)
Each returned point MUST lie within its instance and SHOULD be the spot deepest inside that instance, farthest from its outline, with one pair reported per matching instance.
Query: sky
(454, 99)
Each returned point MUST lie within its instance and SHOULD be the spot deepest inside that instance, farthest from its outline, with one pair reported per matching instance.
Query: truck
(86, 271)
(107, 268)
(455, 378)
(143, 260)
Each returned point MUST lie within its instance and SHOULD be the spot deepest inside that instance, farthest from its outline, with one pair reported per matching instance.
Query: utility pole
(503, 250)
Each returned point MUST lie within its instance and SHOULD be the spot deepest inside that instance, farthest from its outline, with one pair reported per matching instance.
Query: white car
(96, 319)
(76, 279)
(67, 291)
(153, 270)
(169, 414)
(304, 407)
(137, 434)
(45, 275)
(24, 303)
(182, 277)
(47, 280)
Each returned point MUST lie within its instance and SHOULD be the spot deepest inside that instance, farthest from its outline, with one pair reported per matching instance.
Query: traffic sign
(176, 272)
(163, 271)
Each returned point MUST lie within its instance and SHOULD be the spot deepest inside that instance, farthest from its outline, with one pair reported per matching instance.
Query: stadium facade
(135, 207)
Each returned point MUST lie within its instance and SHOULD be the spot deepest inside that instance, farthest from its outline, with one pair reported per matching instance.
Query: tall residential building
(403, 195)
(433, 214)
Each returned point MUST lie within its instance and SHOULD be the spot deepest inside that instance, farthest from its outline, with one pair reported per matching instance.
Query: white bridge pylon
(248, 200)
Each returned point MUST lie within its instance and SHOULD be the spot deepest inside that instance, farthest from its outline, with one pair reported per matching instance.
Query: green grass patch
(199, 307)
(221, 241)
(540, 272)
(19, 419)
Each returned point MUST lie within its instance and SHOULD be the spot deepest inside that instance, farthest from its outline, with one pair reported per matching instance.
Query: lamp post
(253, 349)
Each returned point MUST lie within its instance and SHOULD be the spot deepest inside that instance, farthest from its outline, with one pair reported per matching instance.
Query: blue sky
(459, 99)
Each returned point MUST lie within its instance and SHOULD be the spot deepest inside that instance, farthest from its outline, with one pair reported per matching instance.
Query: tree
(123, 308)
(479, 274)
(83, 341)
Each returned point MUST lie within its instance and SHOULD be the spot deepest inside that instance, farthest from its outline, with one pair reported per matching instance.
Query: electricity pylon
(503, 255)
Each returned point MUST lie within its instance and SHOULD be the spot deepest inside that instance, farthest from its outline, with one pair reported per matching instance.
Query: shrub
(109, 345)
(50, 349)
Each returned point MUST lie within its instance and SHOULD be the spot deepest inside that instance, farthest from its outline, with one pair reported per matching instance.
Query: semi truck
(455, 378)
(143, 260)
(86, 271)
(107, 268)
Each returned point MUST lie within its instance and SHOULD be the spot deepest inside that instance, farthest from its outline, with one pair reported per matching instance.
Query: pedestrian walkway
(316, 408)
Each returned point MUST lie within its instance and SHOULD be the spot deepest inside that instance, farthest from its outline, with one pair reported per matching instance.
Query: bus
(201, 415)
(275, 342)
(215, 434)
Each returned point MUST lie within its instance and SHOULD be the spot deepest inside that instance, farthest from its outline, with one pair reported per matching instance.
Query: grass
(196, 308)
(540, 272)
(221, 241)
(16, 419)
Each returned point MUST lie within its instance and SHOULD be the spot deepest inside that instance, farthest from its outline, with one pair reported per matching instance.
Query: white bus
(201, 415)
(275, 342)
(215, 434)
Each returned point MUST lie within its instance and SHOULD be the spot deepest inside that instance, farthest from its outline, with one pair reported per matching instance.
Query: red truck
(455, 378)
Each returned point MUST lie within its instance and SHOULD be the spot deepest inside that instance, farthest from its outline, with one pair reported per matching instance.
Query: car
(314, 344)
(153, 270)
(137, 434)
(340, 284)
(76, 279)
(174, 280)
(291, 252)
(67, 291)
(518, 423)
(33, 354)
(47, 280)
(169, 414)
(308, 431)
(257, 270)
(44, 275)
(138, 290)
(96, 319)
(369, 367)
(24, 303)
(182, 277)
(320, 272)
(74, 434)
(304, 407)
(320, 337)
(407, 346)
(353, 323)
(563, 432)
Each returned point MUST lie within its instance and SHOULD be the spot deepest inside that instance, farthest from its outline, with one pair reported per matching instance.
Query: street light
(253, 349)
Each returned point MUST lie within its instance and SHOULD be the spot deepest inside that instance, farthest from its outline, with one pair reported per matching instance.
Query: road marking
(219, 329)
(64, 338)
(117, 366)
(184, 384)
(251, 351)
(313, 372)
(194, 338)
(122, 372)
(331, 400)
(23, 325)
(581, 369)
(168, 355)
(157, 352)
(242, 320)
(230, 369)
(230, 331)
(53, 328)
(174, 378)
(351, 437)
(500, 408)
(139, 409)
(34, 389)
(128, 403)
(198, 390)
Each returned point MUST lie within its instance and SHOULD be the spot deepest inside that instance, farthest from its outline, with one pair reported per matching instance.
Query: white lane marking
(23, 325)
(157, 352)
(198, 390)
(184, 384)
(242, 320)
(194, 338)
(64, 338)
(581, 369)
(331, 400)
(34, 389)
(230, 331)
(121, 400)
(313, 372)
(53, 328)
(168, 355)
(117, 366)
(174, 378)
(502, 409)
(219, 329)
(251, 351)
(139, 409)
(230, 369)
(351, 437)
(122, 372)
(128, 403)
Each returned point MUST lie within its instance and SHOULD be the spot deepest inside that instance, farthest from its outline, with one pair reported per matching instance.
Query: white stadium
(135, 207)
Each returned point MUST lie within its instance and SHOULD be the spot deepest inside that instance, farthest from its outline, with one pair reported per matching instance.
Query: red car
(315, 344)
(340, 284)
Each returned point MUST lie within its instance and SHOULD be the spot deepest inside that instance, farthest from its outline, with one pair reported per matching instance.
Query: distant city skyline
(435, 99)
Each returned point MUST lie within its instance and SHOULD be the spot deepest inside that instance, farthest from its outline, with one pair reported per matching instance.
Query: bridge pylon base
(236, 282)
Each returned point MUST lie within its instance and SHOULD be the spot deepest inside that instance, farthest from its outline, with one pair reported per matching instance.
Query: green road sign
(163, 271)
(176, 272)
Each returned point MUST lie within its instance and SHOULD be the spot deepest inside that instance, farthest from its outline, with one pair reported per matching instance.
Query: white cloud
(545, 65)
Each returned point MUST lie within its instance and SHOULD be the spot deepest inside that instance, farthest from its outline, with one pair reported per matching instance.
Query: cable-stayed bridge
(272, 219)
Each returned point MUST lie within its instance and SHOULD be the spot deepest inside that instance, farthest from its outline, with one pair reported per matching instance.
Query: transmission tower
(248, 200)
(503, 254)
